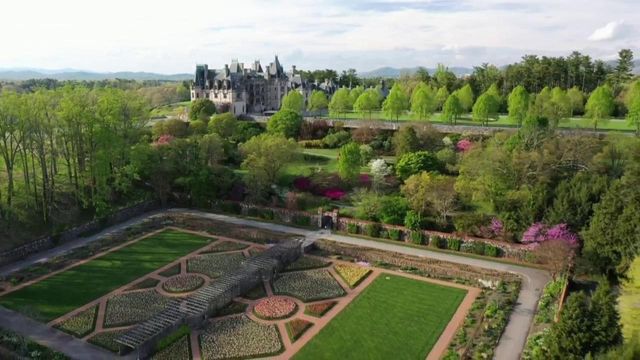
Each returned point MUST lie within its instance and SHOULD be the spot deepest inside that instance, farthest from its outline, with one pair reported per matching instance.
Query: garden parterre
(179, 350)
(352, 274)
(183, 283)
(239, 337)
(133, 307)
(80, 324)
(214, 265)
(308, 285)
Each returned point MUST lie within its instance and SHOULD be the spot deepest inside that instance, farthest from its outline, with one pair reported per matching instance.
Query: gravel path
(511, 343)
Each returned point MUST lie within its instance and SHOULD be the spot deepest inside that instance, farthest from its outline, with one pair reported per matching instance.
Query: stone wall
(85, 229)
(294, 217)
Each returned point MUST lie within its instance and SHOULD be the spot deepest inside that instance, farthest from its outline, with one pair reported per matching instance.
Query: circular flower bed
(182, 283)
(275, 307)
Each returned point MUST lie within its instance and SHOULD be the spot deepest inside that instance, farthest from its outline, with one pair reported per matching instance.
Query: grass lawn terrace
(393, 318)
(61, 293)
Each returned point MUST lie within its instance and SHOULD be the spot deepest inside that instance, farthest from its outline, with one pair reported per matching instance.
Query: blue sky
(172, 36)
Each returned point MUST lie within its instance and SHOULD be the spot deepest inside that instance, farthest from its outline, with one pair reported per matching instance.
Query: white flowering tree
(379, 169)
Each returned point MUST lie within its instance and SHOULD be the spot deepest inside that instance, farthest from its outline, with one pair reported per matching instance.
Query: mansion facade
(252, 89)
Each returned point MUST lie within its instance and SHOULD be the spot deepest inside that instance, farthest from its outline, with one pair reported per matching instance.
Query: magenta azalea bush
(539, 232)
(464, 145)
(302, 183)
(334, 193)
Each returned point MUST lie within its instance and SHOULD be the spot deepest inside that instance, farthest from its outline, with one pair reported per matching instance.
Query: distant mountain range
(391, 72)
(73, 74)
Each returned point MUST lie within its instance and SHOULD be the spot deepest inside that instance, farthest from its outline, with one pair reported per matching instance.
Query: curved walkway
(511, 343)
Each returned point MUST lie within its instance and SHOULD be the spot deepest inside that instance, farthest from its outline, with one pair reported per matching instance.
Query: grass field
(503, 120)
(394, 318)
(70, 289)
(630, 302)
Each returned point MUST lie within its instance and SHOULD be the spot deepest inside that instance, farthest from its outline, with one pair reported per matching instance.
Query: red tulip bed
(275, 307)
(318, 310)
(296, 328)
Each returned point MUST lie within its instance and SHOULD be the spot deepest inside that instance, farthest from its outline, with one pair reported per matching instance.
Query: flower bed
(351, 274)
(306, 262)
(214, 265)
(274, 308)
(318, 310)
(296, 328)
(133, 307)
(239, 337)
(107, 340)
(179, 350)
(172, 271)
(183, 283)
(308, 285)
(224, 246)
(81, 324)
(147, 283)
(233, 308)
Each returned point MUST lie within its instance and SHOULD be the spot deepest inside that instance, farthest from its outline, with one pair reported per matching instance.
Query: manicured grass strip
(68, 290)
(629, 302)
(393, 318)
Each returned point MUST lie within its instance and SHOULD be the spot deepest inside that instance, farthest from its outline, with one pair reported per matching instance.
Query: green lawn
(394, 318)
(68, 290)
(503, 120)
(629, 302)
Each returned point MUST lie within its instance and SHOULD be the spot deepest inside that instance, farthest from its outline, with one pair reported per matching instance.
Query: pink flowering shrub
(302, 183)
(165, 139)
(539, 232)
(464, 145)
(334, 193)
(364, 180)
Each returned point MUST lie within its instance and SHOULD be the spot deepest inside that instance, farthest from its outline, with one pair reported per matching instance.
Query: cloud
(610, 31)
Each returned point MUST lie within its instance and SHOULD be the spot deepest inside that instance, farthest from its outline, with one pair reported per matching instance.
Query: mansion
(251, 89)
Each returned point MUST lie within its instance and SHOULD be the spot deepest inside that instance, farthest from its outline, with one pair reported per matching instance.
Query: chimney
(293, 69)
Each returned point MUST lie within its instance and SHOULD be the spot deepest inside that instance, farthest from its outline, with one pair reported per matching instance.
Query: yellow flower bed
(352, 274)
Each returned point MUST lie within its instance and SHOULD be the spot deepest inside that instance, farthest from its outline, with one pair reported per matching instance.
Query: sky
(172, 36)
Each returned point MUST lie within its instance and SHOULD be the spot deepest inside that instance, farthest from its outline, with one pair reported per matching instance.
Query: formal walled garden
(285, 315)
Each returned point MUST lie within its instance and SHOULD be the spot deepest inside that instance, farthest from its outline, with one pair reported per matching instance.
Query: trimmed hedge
(395, 234)
(352, 228)
(439, 242)
(418, 238)
(372, 230)
(302, 220)
(454, 244)
(230, 207)
(266, 214)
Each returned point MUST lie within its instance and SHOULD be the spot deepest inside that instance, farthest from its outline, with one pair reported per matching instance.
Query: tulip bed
(308, 285)
(274, 308)
(306, 262)
(352, 274)
(224, 246)
(133, 307)
(214, 265)
(179, 350)
(296, 328)
(107, 339)
(81, 324)
(239, 337)
(318, 310)
(183, 283)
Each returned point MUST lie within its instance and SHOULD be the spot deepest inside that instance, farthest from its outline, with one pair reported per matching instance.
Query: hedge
(266, 214)
(230, 207)
(352, 228)
(395, 234)
(439, 242)
(372, 230)
(302, 220)
(418, 238)
(454, 244)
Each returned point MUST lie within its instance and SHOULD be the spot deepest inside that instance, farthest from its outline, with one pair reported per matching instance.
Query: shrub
(352, 228)
(474, 247)
(384, 234)
(266, 214)
(252, 212)
(311, 144)
(230, 207)
(302, 220)
(470, 223)
(491, 250)
(372, 230)
(438, 241)
(418, 238)
(395, 234)
(454, 244)
(337, 139)
(412, 220)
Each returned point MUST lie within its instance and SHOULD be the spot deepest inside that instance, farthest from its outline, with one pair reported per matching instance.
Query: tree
(396, 102)
(485, 108)
(623, 71)
(379, 171)
(441, 96)
(355, 93)
(202, 109)
(318, 101)
(340, 102)
(575, 198)
(264, 158)
(212, 149)
(444, 77)
(553, 253)
(224, 124)
(416, 162)
(431, 194)
(405, 141)
(423, 101)
(367, 102)
(576, 97)
(285, 122)
(570, 340)
(293, 101)
(451, 109)
(518, 103)
(349, 162)
(465, 95)
(606, 319)
(633, 106)
(600, 105)
(560, 106)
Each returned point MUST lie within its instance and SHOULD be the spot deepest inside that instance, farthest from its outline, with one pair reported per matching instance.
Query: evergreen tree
(571, 339)
(606, 329)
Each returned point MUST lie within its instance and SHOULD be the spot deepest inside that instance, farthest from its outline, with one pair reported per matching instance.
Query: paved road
(509, 347)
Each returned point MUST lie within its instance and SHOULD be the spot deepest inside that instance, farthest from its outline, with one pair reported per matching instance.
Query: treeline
(66, 148)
